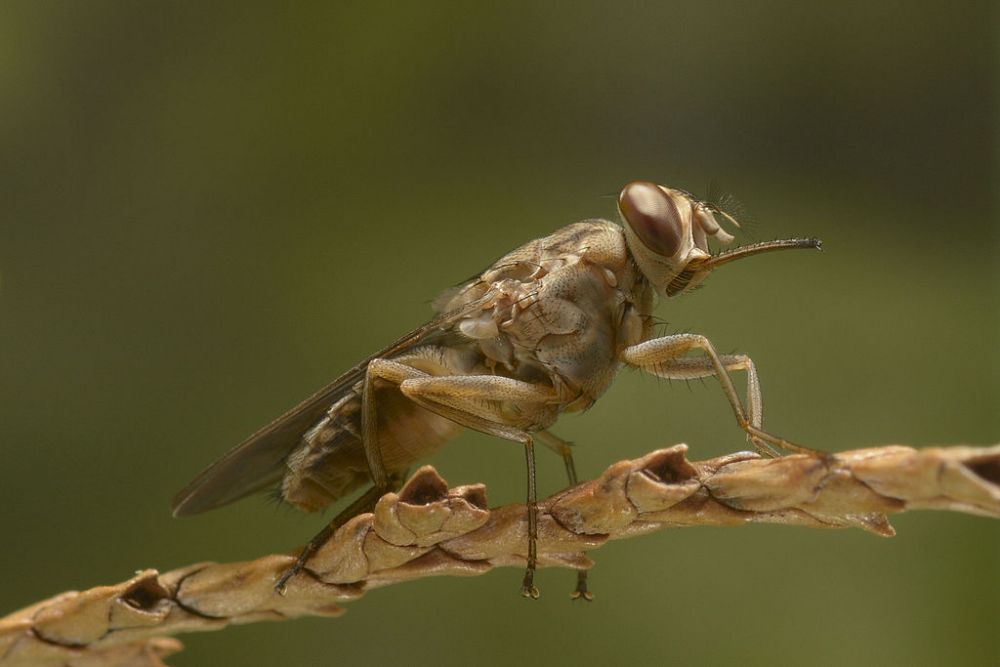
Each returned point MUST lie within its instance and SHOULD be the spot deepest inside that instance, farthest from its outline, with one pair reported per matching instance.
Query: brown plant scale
(427, 529)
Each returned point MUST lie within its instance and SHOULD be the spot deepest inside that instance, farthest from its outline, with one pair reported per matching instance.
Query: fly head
(668, 232)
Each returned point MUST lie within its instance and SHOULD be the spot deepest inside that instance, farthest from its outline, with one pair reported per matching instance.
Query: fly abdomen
(330, 461)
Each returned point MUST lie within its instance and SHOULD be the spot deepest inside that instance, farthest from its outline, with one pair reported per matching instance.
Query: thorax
(559, 310)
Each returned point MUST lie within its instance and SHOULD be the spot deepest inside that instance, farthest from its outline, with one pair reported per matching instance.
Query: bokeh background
(208, 210)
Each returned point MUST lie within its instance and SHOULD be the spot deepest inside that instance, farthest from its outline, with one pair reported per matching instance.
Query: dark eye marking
(652, 215)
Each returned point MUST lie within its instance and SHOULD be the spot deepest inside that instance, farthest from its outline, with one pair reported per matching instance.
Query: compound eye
(653, 217)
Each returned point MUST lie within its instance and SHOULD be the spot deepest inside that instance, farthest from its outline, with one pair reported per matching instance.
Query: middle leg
(565, 450)
(499, 406)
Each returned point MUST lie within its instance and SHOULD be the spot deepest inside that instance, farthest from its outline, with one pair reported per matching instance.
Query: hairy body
(556, 313)
(542, 331)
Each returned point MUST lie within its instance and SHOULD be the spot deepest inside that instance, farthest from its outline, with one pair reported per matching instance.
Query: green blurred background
(208, 210)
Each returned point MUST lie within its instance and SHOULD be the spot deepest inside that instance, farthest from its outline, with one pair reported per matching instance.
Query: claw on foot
(762, 448)
(581, 592)
(528, 589)
(282, 585)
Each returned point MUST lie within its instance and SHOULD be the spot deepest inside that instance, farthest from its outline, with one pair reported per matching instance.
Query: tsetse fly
(541, 332)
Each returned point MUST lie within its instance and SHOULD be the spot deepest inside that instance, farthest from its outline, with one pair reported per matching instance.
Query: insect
(541, 332)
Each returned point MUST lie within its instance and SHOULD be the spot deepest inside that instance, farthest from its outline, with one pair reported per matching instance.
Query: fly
(541, 332)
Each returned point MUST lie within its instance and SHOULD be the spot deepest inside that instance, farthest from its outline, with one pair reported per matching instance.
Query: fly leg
(499, 406)
(564, 449)
(378, 369)
(365, 503)
(692, 368)
(661, 356)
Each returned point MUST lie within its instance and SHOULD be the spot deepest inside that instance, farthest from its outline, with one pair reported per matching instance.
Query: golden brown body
(557, 311)
(542, 331)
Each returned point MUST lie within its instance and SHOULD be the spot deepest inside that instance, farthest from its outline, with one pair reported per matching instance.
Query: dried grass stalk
(428, 529)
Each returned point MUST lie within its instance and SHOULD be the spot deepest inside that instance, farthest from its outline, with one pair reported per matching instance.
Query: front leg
(691, 368)
(665, 357)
